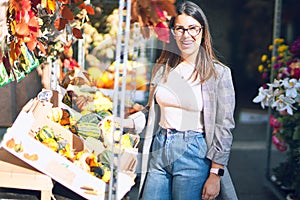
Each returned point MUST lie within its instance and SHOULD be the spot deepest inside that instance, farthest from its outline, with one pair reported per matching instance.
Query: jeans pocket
(202, 146)
(157, 142)
(197, 146)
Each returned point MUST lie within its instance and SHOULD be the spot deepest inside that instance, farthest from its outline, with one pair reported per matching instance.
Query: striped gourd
(51, 143)
(44, 133)
(88, 129)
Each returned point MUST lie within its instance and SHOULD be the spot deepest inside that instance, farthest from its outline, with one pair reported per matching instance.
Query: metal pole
(81, 53)
(123, 87)
(276, 34)
(54, 72)
(81, 48)
(119, 91)
(111, 187)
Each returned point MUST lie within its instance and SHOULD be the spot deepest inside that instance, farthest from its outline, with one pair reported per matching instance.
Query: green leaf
(296, 135)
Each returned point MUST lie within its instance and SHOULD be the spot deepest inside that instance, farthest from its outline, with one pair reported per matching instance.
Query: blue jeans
(178, 166)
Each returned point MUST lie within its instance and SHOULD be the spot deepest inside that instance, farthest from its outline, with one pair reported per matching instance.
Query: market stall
(66, 131)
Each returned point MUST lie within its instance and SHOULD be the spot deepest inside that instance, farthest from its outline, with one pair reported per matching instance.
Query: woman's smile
(186, 43)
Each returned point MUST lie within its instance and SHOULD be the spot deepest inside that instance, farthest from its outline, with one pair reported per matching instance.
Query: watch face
(221, 172)
(218, 171)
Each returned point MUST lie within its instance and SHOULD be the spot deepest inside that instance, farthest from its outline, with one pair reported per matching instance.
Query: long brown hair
(171, 55)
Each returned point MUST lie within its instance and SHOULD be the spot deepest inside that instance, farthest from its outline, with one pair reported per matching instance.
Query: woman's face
(187, 34)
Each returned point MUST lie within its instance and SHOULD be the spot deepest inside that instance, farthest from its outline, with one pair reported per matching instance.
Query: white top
(180, 100)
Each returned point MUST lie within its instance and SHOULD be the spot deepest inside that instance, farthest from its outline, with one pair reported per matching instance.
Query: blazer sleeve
(220, 149)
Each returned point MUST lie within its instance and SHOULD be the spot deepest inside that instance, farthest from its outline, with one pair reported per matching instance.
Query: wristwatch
(217, 171)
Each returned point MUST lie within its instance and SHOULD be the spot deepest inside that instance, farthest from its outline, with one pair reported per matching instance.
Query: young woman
(188, 120)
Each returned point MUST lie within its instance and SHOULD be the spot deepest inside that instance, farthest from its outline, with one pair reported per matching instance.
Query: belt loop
(169, 131)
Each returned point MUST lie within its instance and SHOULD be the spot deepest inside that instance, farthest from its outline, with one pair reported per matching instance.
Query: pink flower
(71, 64)
(159, 11)
(278, 65)
(265, 75)
(274, 122)
(295, 47)
(284, 113)
(294, 69)
(295, 73)
(162, 32)
(280, 145)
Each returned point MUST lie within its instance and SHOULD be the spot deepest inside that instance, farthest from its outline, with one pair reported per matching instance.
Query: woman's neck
(190, 59)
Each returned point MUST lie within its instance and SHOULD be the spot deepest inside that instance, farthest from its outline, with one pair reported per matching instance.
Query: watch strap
(217, 171)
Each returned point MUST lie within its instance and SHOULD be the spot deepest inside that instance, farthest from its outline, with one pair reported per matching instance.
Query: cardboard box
(46, 160)
(31, 118)
(15, 173)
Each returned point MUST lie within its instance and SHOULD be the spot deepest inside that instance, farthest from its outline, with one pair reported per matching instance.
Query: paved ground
(247, 164)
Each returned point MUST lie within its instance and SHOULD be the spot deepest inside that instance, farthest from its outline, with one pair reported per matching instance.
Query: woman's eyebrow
(187, 25)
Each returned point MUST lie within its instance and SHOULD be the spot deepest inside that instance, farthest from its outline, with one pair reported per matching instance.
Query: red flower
(159, 11)
(70, 64)
(274, 122)
(162, 32)
(280, 145)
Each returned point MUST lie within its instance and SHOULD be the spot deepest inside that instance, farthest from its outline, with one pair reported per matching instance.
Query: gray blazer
(219, 102)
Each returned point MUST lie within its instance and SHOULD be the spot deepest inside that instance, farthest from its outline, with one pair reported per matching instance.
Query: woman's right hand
(211, 187)
(127, 122)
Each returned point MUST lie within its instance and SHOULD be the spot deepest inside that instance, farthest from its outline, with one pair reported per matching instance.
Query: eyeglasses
(193, 31)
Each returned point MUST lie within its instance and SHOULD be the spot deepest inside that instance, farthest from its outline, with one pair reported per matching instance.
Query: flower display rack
(280, 93)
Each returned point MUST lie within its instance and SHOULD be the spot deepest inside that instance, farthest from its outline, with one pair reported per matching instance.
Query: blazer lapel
(209, 99)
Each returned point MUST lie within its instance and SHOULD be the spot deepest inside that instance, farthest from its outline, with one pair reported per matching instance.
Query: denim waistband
(188, 133)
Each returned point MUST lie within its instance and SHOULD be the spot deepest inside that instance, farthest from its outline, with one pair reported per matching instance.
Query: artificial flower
(264, 58)
(284, 92)
(275, 123)
(279, 144)
(162, 32)
(291, 86)
(284, 103)
(264, 97)
(282, 96)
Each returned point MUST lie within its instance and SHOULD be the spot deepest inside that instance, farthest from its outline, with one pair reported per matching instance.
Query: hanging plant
(24, 27)
(68, 11)
(35, 27)
(153, 14)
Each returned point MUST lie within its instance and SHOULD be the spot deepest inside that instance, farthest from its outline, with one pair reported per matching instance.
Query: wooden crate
(17, 174)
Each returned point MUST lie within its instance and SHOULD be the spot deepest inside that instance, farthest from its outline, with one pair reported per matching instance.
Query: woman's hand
(127, 123)
(211, 187)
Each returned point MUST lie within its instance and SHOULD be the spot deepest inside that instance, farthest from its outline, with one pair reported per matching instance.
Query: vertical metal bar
(135, 54)
(125, 58)
(118, 56)
(119, 91)
(54, 73)
(80, 56)
(13, 93)
(113, 182)
(276, 34)
(123, 88)
(81, 48)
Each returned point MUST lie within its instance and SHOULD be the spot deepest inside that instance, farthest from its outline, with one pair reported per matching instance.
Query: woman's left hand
(211, 187)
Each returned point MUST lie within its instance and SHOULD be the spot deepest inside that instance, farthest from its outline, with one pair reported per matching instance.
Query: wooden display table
(17, 174)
